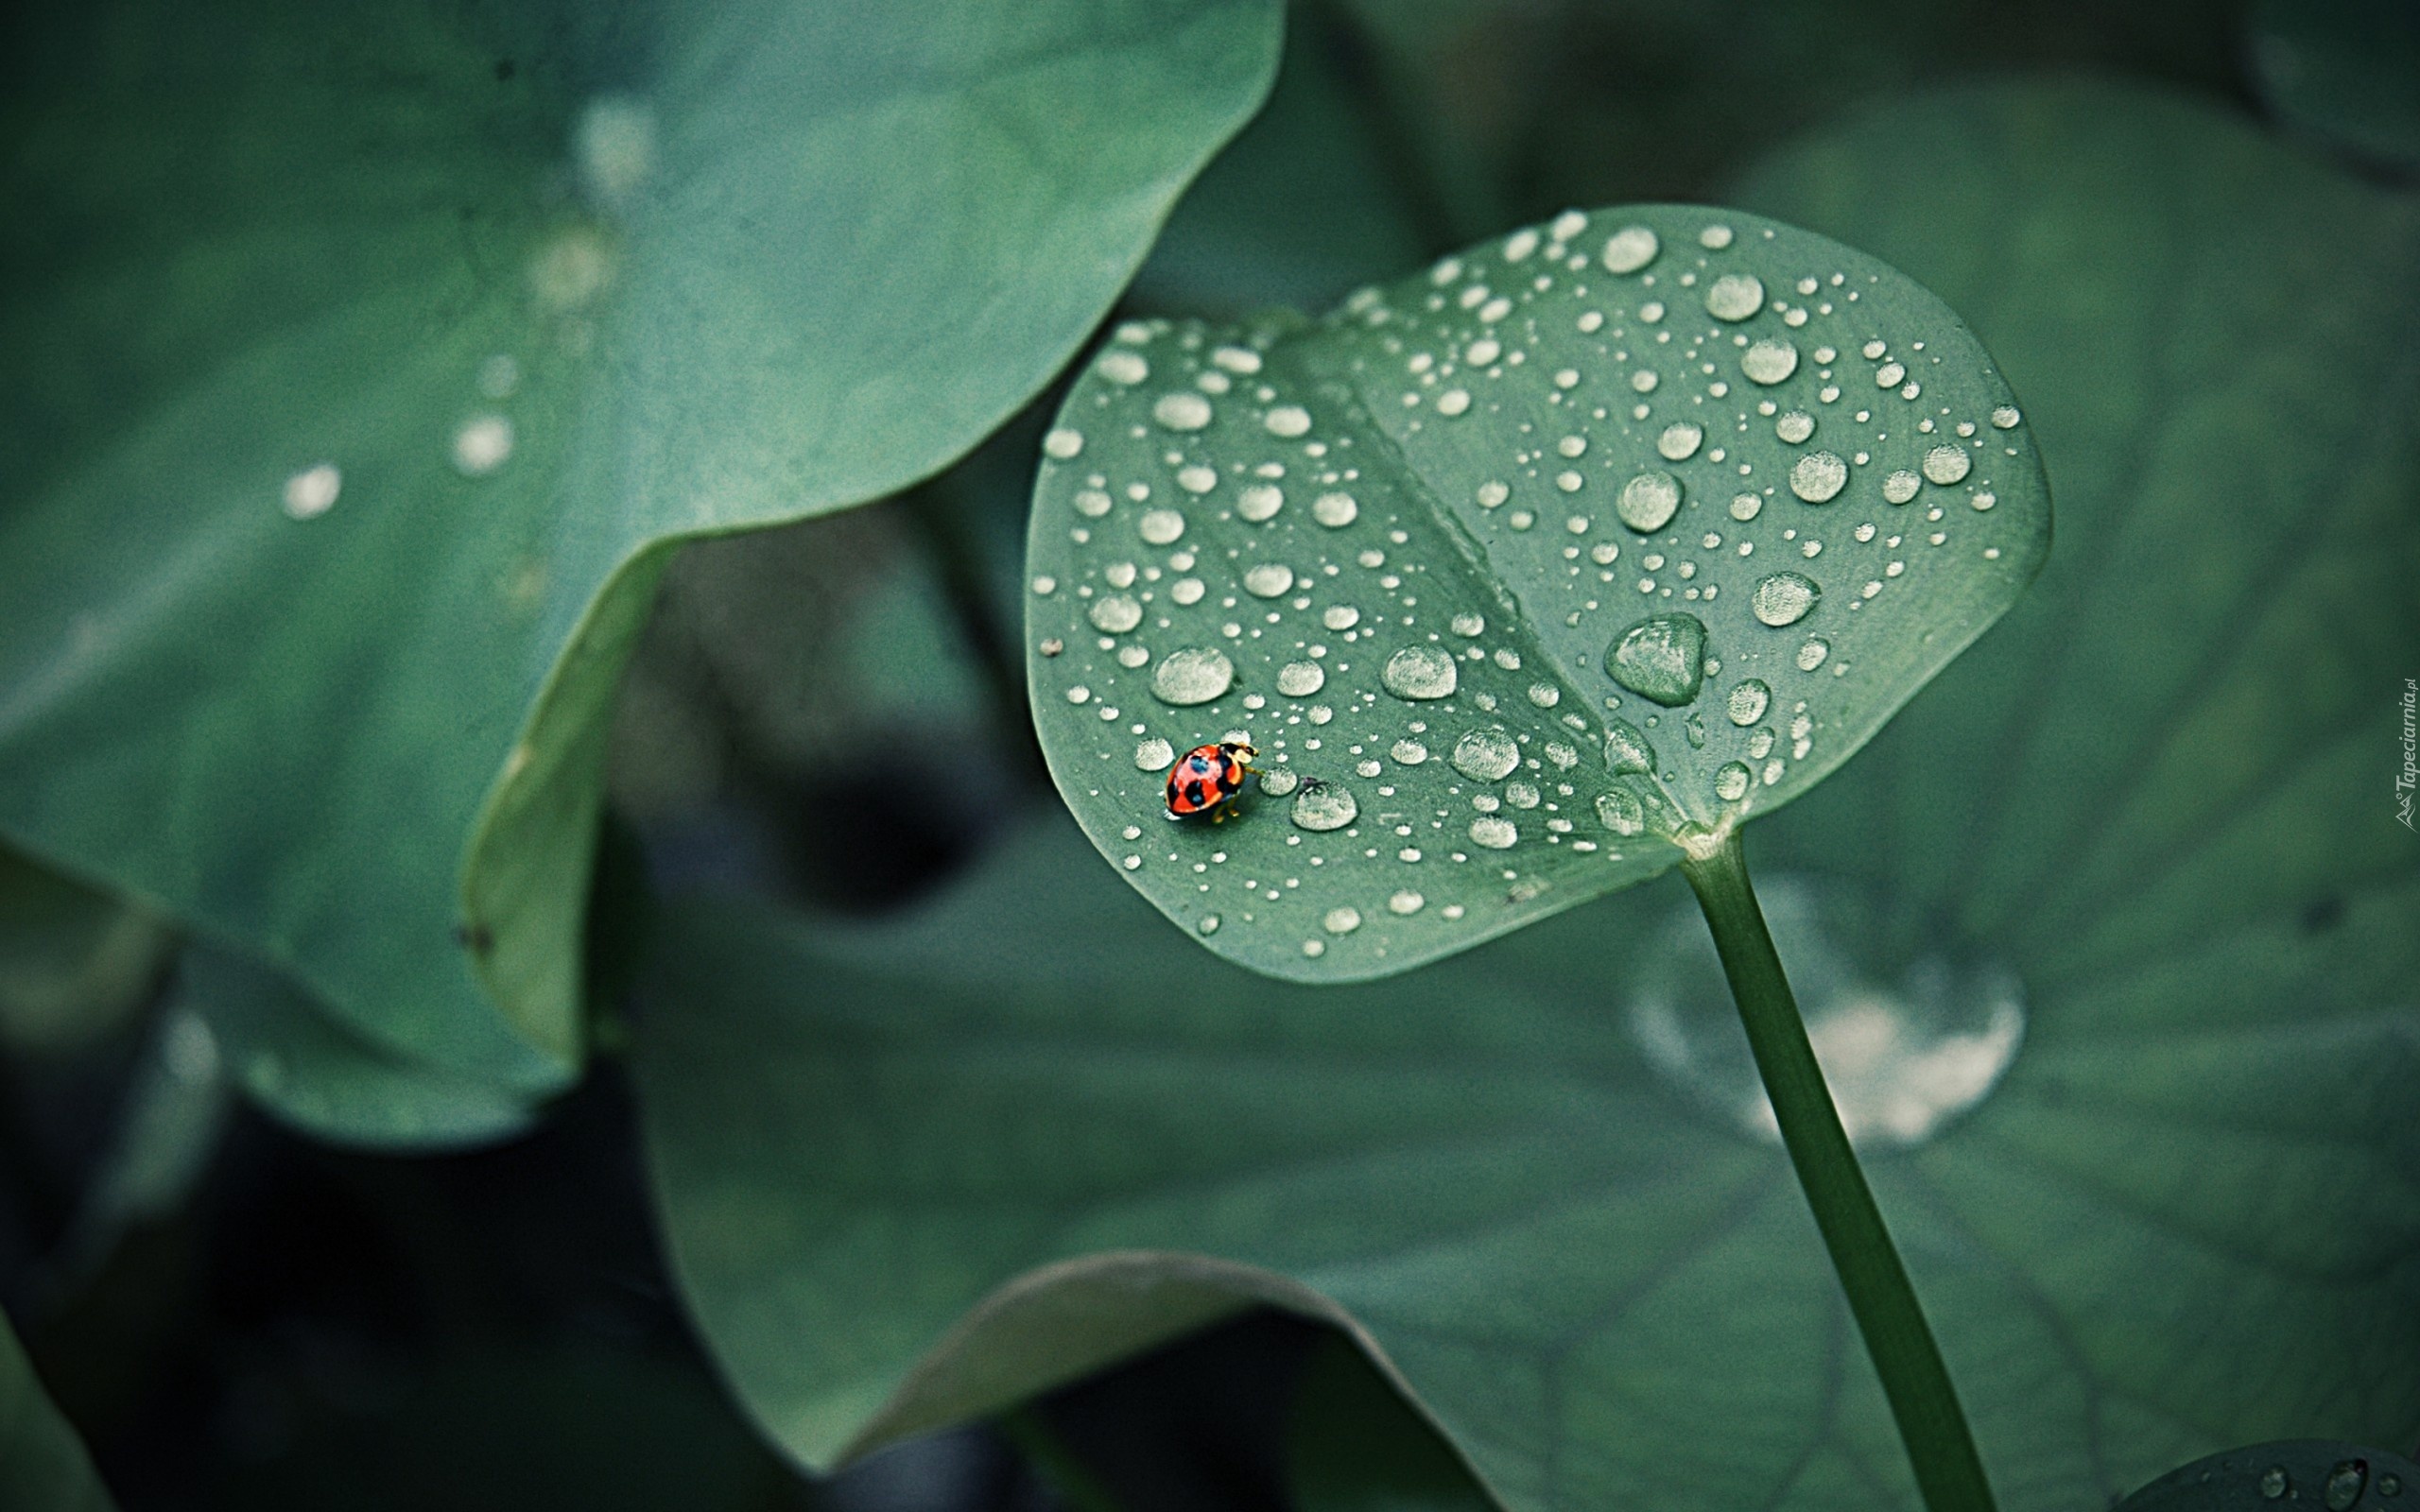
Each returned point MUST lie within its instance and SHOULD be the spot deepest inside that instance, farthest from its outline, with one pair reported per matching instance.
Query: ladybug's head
(1237, 750)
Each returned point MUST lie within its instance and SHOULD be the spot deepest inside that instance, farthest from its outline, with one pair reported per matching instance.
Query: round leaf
(375, 358)
(1518, 574)
(2299, 1473)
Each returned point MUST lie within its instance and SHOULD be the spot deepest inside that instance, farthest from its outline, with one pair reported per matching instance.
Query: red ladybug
(1206, 776)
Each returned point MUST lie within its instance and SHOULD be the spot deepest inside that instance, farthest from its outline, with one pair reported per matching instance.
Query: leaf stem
(1923, 1402)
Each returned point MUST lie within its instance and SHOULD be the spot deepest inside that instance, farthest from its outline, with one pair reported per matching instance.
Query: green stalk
(1896, 1337)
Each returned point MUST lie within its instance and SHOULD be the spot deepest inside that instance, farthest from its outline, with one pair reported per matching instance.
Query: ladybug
(1205, 778)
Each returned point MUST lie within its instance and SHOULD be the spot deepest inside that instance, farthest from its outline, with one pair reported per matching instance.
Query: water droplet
(1746, 704)
(1783, 599)
(1154, 755)
(1209, 925)
(1734, 296)
(1661, 658)
(2273, 1482)
(1063, 443)
(1259, 503)
(1492, 495)
(1287, 421)
(1123, 367)
(1620, 812)
(1770, 361)
(1746, 507)
(1300, 679)
(1420, 672)
(1486, 755)
(1627, 750)
(1181, 411)
(1091, 503)
(1453, 402)
(1191, 675)
(1629, 249)
(499, 376)
(1268, 579)
(1945, 465)
(1649, 501)
(1482, 351)
(1322, 806)
(2006, 418)
(2388, 1484)
(1469, 624)
(1811, 655)
(312, 493)
(1188, 591)
(1160, 527)
(1795, 426)
(1197, 479)
(2345, 1483)
(1335, 510)
(1405, 902)
(1731, 782)
(483, 444)
(1680, 441)
(1116, 614)
(1342, 921)
(1339, 616)
(1889, 375)
(1278, 783)
(1494, 832)
(1715, 238)
(1521, 795)
(1818, 478)
(1408, 752)
(1901, 486)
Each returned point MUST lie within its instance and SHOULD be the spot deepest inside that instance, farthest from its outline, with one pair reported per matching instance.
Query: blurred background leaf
(43, 1465)
(380, 355)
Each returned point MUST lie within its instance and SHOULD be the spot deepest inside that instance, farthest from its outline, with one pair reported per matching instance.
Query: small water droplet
(1901, 486)
(1160, 527)
(1622, 812)
(1946, 464)
(1649, 501)
(1626, 749)
(1405, 902)
(1734, 296)
(1408, 752)
(1485, 755)
(1494, 832)
(1746, 702)
(1545, 695)
(312, 493)
(1300, 679)
(1469, 624)
(1746, 507)
(1126, 368)
(1783, 599)
(1453, 402)
(1193, 675)
(1770, 361)
(1268, 579)
(1818, 478)
(1209, 925)
(2006, 418)
(1092, 503)
(1795, 426)
(483, 444)
(1731, 782)
(1661, 658)
(2273, 1483)
(2388, 1484)
(1342, 921)
(1629, 249)
(1154, 755)
(1324, 806)
(1063, 443)
(2345, 1483)
(1181, 411)
(1493, 494)
(1278, 783)
(1482, 351)
(1811, 655)
(1680, 441)
(1315, 948)
(1335, 510)
(1116, 614)
(1521, 795)
(1287, 421)
(1259, 503)
(1419, 673)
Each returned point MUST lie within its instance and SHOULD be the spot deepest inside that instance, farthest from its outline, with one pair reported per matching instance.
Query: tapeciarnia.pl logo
(2404, 779)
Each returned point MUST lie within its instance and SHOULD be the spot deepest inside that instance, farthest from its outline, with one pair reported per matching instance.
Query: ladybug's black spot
(1194, 795)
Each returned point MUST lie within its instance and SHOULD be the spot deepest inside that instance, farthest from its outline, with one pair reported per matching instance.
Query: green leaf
(382, 355)
(42, 1464)
(2346, 71)
(73, 961)
(2153, 817)
(2305, 1472)
(1353, 1446)
(1518, 573)
(307, 1070)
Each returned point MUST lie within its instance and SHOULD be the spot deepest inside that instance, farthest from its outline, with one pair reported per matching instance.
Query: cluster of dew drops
(1607, 327)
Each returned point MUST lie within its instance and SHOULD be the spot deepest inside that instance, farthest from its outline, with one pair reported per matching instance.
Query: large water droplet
(1194, 675)
(2345, 1483)
(1661, 658)
(1486, 755)
(1680, 441)
(1344, 920)
(1746, 704)
(1734, 296)
(1335, 510)
(1160, 527)
(1324, 806)
(1406, 903)
(1945, 465)
(1902, 1058)
(1420, 673)
(1629, 249)
(1783, 599)
(1769, 361)
(1181, 411)
(1731, 782)
(1116, 614)
(1627, 751)
(1494, 832)
(1622, 812)
(1300, 679)
(1819, 477)
(1268, 579)
(1649, 501)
